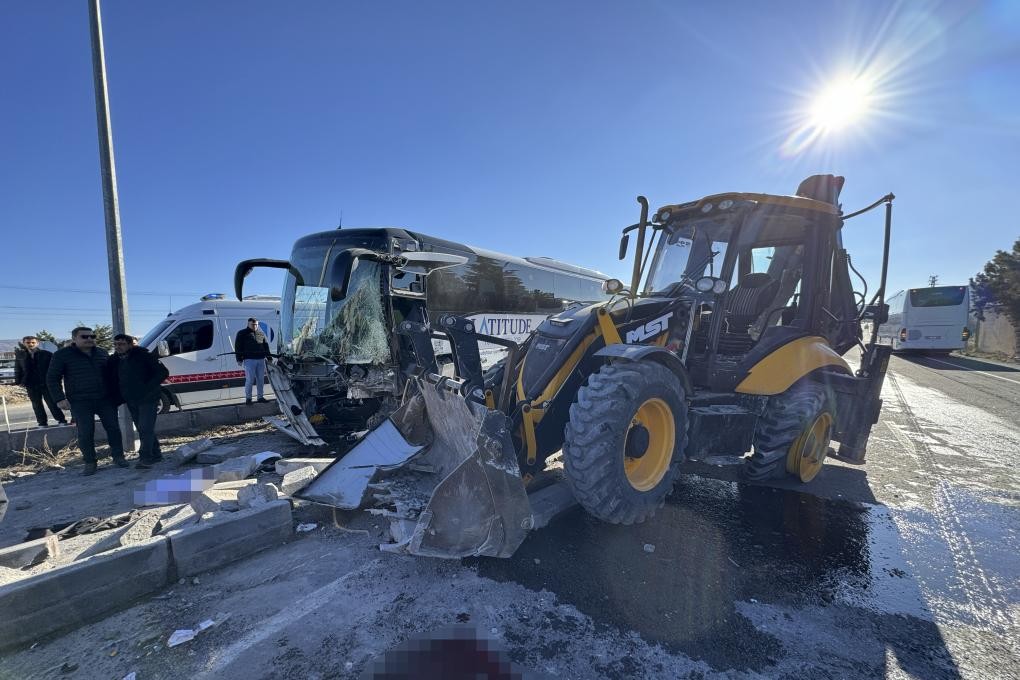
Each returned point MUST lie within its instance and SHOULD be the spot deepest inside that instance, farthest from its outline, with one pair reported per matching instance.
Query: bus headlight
(903, 335)
(965, 335)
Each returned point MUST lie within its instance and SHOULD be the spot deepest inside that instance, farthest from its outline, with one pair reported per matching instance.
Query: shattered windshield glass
(348, 331)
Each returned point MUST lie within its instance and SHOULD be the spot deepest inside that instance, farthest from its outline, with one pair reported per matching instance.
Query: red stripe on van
(199, 377)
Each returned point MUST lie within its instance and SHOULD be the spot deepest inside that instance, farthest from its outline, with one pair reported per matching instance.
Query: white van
(196, 344)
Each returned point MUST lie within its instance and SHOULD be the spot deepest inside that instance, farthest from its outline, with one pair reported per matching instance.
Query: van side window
(190, 336)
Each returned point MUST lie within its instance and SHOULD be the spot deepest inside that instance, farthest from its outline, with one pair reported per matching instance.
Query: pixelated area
(453, 652)
(179, 489)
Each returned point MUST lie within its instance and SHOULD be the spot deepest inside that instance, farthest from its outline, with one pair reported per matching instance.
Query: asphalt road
(905, 568)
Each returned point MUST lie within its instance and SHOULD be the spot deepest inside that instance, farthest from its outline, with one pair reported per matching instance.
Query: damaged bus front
(338, 369)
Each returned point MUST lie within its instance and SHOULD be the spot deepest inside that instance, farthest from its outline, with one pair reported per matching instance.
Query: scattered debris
(130, 676)
(234, 486)
(187, 634)
(189, 451)
(204, 503)
(217, 454)
(733, 562)
(68, 667)
(234, 469)
(297, 480)
(178, 518)
(649, 548)
(29, 554)
(257, 494)
(141, 528)
(301, 528)
(291, 464)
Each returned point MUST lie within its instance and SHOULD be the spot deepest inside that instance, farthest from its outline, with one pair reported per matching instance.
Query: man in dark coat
(251, 349)
(30, 369)
(134, 375)
(76, 379)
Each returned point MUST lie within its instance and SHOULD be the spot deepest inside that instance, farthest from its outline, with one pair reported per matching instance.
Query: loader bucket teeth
(443, 471)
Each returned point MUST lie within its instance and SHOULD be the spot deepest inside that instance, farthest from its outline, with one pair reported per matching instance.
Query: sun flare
(841, 104)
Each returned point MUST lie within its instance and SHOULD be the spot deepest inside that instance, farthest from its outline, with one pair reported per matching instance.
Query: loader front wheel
(625, 440)
(793, 435)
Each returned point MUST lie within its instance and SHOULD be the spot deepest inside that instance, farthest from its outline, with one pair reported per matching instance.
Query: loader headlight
(711, 284)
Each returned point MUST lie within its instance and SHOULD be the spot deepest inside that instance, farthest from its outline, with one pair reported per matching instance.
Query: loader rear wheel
(793, 435)
(625, 441)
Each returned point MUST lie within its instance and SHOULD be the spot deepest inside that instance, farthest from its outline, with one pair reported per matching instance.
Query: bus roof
(397, 232)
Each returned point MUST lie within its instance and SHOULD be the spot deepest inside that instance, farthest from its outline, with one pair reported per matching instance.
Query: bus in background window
(930, 319)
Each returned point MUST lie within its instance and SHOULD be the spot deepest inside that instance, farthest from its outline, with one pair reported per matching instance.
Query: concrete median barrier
(76, 594)
(229, 537)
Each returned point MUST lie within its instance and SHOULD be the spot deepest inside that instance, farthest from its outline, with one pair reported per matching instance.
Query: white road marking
(958, 366)
(292, 613)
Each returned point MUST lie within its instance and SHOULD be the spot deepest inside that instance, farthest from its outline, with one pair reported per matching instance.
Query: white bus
(930, 319)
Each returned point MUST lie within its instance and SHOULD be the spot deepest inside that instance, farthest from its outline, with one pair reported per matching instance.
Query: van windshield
(348, 331)
(156, 331)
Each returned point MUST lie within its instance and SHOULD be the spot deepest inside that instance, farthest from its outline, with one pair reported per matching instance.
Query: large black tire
(785, 419)
(595, 440)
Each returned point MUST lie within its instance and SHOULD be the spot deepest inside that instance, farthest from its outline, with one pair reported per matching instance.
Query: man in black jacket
(76, 379)
(134, 375)
(251, 349)
(30, 369)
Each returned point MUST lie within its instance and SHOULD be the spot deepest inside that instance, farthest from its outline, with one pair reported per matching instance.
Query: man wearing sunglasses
(76, 380)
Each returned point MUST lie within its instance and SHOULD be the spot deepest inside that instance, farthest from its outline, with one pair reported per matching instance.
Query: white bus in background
(932, 319)
(196, 344)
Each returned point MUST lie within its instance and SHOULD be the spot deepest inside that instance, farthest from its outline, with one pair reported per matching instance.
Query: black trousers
(144, 415)
(85, 412)
(39, 393)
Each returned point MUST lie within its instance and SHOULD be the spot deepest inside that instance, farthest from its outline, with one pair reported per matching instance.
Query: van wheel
(165, 402)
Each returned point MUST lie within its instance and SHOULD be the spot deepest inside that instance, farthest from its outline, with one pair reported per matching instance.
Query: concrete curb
(81, 592)
(191, 420)
(78, 593)
(220, 541)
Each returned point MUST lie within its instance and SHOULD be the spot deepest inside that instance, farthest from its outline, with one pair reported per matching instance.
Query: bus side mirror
(162, 349)
(424, 263)
(624, 242)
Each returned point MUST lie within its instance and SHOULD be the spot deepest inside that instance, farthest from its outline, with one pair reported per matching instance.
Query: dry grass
(43, 458)
(14, 394)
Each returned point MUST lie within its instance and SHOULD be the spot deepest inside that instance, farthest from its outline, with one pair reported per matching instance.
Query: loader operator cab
(760, 249)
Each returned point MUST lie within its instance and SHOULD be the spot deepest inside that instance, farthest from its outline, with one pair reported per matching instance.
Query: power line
(74, 309)
(96, 292)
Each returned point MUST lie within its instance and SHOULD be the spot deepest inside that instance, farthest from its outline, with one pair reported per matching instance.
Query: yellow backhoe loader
(729, 339)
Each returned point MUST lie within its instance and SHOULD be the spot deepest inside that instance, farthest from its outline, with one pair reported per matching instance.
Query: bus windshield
(348, 331)
(938, 296)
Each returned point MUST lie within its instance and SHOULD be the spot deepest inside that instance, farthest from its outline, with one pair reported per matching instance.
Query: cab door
(194, 361)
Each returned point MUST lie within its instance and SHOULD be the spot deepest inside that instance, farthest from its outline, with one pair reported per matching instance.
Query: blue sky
(523, 127)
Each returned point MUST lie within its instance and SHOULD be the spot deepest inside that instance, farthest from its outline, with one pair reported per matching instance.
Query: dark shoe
(263, 400)
(247, 402)
(143, 465)
(121, 462)
(90, 469)
(157, 459)
(59, 423)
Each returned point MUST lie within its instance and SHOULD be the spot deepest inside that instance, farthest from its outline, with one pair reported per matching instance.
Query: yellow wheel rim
(645, 472)
(807, 453)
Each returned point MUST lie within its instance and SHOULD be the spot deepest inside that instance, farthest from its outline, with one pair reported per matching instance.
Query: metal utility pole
(111, 206)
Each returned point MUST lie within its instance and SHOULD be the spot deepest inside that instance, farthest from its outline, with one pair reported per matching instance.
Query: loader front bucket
(443, 470)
